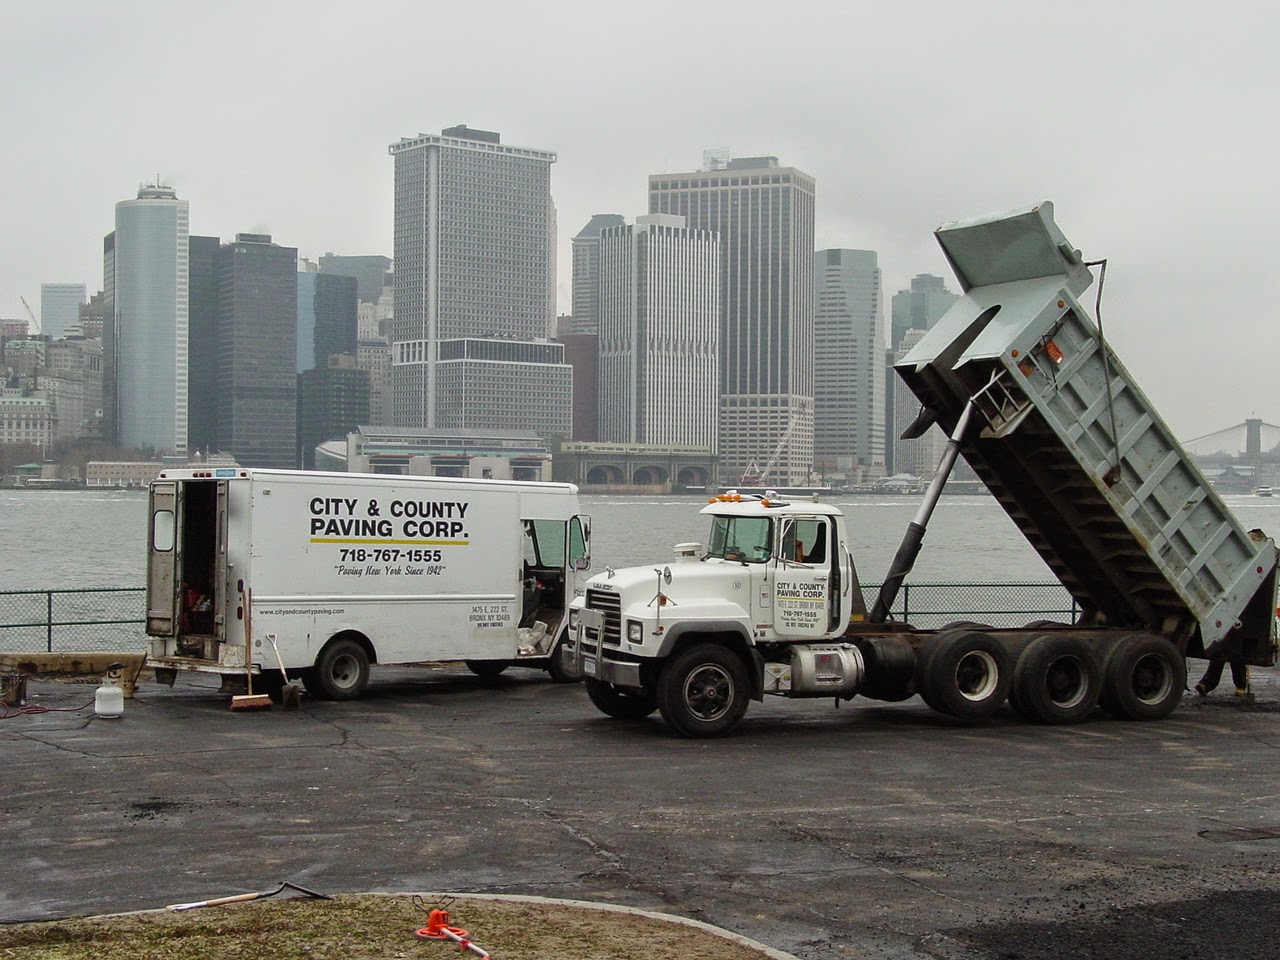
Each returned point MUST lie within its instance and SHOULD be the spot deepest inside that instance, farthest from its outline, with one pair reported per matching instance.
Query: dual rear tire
(1058, 680)
(965, 673)
(1055, 679)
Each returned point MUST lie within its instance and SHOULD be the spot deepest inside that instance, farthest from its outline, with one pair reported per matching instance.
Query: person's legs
(1211, 676)
(1240, 677)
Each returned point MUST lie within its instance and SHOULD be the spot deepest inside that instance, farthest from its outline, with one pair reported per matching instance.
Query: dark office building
(257, 351)
(333, 401)
(335, 307)
(582, 352)
(372, 273)
(202, 344)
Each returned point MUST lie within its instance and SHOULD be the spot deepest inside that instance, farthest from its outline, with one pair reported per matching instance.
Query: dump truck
(261, 575)
(1021, 379)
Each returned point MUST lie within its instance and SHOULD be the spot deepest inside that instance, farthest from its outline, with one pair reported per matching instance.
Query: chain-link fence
(930, 605)
(62, 621)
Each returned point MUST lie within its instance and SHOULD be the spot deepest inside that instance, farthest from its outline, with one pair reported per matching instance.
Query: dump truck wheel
(1143, 678)
(487, 669)
(966, 674)
(621, 703)
(1058, 680)
(703, 691)
(341, 671)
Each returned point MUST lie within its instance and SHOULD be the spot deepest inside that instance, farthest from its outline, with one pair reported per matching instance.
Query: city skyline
(1169, 165)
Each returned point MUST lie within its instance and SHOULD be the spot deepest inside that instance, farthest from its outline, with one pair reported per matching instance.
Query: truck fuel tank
(817, 670)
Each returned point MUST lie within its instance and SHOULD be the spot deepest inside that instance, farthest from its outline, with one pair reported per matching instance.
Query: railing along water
(61, 621)
(113, 618)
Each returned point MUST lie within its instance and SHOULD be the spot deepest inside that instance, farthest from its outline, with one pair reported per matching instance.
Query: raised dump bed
(1074, 451)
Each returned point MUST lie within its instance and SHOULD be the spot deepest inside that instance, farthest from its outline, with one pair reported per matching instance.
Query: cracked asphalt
(874, 830)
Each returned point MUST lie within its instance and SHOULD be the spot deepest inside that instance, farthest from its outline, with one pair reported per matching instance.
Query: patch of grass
(364, 928)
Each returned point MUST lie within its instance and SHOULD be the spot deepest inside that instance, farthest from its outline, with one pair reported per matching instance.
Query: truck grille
(609, 604)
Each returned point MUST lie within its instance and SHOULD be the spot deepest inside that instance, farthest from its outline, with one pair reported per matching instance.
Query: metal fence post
(48, 620)
(906, 602)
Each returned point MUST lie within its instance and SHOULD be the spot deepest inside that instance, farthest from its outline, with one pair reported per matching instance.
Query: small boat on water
(1262, 492)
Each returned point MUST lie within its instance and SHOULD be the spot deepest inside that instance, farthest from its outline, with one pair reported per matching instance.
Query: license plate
(589, 666)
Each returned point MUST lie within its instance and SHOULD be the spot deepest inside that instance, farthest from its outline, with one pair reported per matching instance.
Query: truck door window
(804, 541)
(544, 543)
(746, 539)
(162, 530)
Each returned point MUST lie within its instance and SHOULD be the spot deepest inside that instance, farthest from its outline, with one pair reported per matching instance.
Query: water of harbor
(78, 539)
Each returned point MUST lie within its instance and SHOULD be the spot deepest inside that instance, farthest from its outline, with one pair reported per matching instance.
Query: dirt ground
(367, 928)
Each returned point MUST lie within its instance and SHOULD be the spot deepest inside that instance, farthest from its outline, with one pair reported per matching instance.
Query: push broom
(250, 700)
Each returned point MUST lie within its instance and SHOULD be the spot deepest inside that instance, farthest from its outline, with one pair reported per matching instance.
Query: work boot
(1200, 689)
(1242, 691)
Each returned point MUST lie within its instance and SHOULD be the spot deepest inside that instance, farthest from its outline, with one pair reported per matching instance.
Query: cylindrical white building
(147, 284)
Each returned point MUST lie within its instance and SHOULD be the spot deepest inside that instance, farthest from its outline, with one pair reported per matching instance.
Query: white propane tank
(108, 699)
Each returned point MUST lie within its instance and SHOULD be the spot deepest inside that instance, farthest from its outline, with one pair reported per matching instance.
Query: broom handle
(279, 659)
(248, 633)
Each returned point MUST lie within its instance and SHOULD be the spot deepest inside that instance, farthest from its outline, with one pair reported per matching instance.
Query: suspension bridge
(1248, 452)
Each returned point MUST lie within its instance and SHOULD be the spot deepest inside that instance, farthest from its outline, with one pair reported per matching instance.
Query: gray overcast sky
(1151, 125)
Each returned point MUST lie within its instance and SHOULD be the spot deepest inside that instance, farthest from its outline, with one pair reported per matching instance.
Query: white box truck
(346, 570)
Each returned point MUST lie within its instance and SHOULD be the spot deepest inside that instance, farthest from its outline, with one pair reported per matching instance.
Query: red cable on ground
(34, 708)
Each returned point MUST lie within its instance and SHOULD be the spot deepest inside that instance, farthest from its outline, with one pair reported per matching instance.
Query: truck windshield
(746, 539)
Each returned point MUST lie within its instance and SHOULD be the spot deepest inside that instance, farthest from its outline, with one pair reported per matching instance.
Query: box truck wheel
(966, 674)
(621, 703)
(703, 691)
(487, 669)
(1143, 678)
(341, 671)
(560, 666)
(1058, 679)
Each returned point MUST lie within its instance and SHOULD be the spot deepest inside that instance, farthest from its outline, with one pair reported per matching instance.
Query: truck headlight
(573, 617)
(635, 631)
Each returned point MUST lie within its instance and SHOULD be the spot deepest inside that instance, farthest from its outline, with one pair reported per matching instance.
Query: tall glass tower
(474, 254)
(659, 323)
(849, 372)
(764, 216)
(145, 277)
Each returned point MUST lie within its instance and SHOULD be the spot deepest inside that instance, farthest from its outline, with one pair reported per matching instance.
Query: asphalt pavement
(872, 830)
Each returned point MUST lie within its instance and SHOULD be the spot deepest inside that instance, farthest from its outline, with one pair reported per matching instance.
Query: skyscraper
(848, 409)
(306, 331)
(919, 456)
(659, 321)
(145, 278)
(202, 345)
(586, 272)
(764, 216)
(60, 307)
(371, 273)
(334, 307)
(920, 306)
(917, 308)
(333, 400)
(257, 352)
(473, 256)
